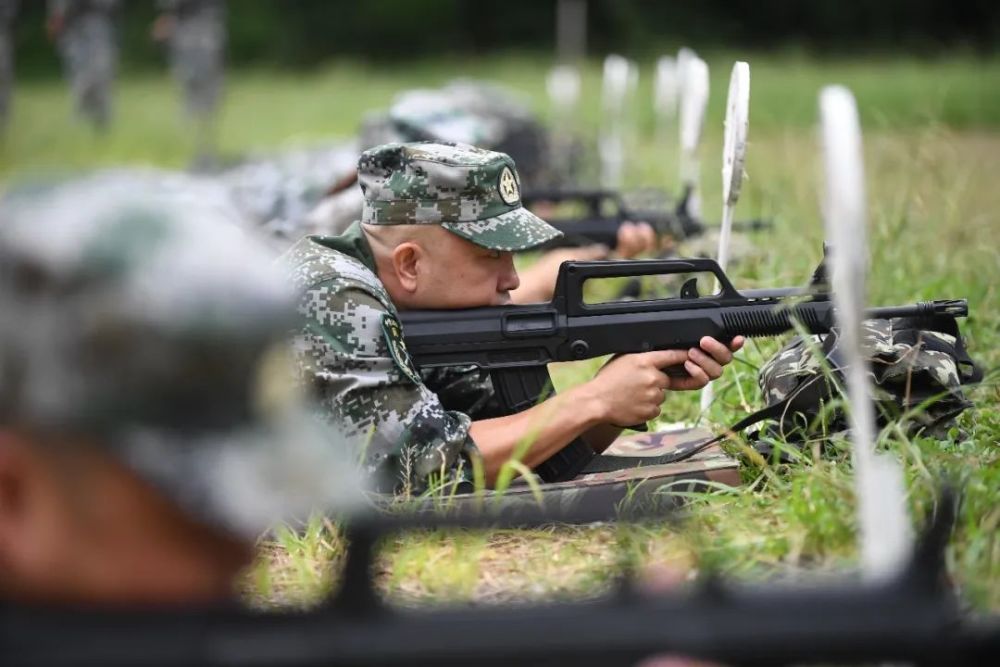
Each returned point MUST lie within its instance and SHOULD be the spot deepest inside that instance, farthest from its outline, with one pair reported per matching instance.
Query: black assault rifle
(913, 617)
(514, 343)
(606, 210)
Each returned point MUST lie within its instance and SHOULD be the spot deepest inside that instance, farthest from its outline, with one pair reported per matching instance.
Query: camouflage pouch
(918, 368)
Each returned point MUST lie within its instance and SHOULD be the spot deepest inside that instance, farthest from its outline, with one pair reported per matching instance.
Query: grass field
(932, 155)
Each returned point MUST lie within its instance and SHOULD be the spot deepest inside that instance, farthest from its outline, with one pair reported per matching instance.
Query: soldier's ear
(406, 259)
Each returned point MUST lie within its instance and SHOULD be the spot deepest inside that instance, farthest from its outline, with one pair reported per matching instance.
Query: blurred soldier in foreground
(195, 31)
(85, 34)
(146, 438)
(8, 12)
(438, 230)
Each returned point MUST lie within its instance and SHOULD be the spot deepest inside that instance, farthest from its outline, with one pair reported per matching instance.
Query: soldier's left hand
(705, 363)
(635, 238)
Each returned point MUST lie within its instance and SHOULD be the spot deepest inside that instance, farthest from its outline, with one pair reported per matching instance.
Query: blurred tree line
(303, 33)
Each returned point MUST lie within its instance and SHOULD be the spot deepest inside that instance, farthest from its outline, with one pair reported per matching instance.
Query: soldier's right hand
(630, 389)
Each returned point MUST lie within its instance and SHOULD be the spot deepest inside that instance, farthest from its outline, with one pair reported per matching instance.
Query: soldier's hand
(163, 28)
(635, 238)
(630, 389)
(705, 363)
(54, 25)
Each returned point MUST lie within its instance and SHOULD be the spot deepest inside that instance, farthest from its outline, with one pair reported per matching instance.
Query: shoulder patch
(393, 332)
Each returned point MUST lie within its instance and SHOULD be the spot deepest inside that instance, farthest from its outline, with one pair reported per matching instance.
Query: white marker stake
(734, 151)
(610, 145)
(694, 100)
(666, 89)
(884, 528)
(563, 86)
(630, 129)
(684, 55)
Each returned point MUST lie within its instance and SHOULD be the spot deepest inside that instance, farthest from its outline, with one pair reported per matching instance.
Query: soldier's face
(460, 274)
(77, 527)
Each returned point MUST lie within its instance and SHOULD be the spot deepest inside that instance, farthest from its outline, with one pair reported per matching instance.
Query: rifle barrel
(950, 307)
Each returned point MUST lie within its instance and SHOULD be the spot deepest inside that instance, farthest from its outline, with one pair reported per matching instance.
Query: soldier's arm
(628, 390)
(347, 356)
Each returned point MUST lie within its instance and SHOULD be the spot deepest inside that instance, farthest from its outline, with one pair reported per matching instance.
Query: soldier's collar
(352, 243)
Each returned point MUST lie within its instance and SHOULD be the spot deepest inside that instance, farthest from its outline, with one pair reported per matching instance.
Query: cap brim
(248, 480)
(512, 231)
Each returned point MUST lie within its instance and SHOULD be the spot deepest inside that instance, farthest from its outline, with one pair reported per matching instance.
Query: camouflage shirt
(413, 426)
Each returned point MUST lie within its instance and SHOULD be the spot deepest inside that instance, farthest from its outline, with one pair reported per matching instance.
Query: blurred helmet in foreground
(150, 322)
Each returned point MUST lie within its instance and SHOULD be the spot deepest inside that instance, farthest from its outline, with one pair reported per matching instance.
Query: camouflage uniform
(349, 349)
(279, 193)
(124, 323)
(8, 11)
(89, 50)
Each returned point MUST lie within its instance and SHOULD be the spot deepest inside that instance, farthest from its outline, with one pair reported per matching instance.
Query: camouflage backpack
(918, 368)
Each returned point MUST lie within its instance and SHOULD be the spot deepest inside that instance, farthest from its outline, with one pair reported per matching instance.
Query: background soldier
(85, 34)
(195, 31)
(146, 439)
(8, 11)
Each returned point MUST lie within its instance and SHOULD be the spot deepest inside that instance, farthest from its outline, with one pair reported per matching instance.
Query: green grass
(932, 155)
(263, 109)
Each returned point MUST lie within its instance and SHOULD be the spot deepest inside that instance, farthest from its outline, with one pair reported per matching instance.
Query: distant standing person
(8, 11)
(84, 32)
(195, 32)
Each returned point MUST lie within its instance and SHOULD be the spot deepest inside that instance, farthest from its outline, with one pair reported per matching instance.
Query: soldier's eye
(494, 254)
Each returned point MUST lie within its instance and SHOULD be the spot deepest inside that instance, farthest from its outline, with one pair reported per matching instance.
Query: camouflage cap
(469, 191)
(149, 325)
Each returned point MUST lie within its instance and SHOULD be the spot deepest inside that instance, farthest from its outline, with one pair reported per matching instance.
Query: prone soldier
(439, 227)
(85, 34)
(146, 439)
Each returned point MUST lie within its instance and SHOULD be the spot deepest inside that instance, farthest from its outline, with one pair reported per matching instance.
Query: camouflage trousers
(90, 57)
(196, 53)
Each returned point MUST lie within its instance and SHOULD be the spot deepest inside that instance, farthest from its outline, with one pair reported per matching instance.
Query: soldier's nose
(509, 280)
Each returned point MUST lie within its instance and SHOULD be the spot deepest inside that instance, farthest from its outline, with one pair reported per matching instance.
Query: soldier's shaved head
(391, 236)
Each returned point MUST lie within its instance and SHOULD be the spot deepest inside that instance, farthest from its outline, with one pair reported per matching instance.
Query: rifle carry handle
(569, 299)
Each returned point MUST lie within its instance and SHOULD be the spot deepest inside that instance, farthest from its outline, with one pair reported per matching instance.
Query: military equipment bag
(918, 369)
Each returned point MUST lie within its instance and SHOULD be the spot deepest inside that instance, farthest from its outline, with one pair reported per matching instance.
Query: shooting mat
(629, 470)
